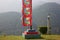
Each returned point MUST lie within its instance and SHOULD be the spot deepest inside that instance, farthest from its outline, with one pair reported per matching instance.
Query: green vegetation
(11, 37)
(42, 30)
(45, 37)
(51, 37)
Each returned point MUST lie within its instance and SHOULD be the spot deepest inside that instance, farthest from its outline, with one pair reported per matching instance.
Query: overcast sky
(15, 5)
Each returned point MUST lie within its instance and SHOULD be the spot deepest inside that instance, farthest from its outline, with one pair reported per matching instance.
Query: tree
(43, 30)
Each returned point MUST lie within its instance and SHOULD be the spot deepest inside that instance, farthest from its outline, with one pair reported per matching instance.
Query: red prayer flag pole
(27, 12)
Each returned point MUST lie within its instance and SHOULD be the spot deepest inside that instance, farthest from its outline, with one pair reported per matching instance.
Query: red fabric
(24, 15)
(30, 32)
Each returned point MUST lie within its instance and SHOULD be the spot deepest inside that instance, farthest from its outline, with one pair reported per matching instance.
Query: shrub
(43, 30)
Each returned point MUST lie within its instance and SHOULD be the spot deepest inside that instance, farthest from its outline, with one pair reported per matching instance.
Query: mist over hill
(41, 12)
(10, 22)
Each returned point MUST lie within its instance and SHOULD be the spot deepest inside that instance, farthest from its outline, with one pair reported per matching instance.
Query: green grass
(51, 37)
(45, 37)
(11, 37)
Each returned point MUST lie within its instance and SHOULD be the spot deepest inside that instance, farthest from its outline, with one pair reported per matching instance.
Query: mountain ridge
(10, 22)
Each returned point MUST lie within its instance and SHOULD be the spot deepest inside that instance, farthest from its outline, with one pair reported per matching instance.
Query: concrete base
(31, 34)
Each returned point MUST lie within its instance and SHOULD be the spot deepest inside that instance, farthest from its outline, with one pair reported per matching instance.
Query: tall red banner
(27, 12)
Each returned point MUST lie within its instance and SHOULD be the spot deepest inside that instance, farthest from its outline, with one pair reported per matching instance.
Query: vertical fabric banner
(27, 12)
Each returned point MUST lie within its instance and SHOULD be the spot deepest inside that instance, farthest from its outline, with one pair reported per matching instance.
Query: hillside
(41, 12)
(11, 24)
(45, 37)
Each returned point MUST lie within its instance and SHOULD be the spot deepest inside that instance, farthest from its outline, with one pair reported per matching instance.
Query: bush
(43, 30)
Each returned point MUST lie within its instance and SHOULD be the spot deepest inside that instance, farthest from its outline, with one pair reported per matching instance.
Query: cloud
(51, 0)
(16, 5)
(9, 5)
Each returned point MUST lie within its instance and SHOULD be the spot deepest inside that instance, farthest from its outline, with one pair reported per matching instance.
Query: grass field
(45, 37)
